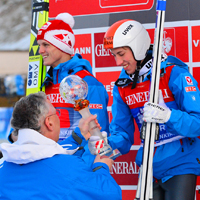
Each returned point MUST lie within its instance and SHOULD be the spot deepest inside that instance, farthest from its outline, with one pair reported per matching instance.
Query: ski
(145, 186)
(36, 69)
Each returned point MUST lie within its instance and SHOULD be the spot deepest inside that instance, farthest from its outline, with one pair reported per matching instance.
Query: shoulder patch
(188, 80)
(122, 82)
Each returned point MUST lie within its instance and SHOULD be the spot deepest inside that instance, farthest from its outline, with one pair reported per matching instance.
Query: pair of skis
(145, 184)
(36, 69)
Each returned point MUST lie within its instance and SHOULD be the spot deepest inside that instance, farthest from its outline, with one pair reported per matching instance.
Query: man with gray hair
(37, 167)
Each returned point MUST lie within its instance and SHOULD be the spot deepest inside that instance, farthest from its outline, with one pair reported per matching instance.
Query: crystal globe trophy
(74, 90)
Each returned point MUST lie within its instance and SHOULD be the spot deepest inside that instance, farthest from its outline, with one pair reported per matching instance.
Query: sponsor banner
(124, 170)
(79, 7)
(103, 57)
(83, 46)
(126, 173)
(175, 43)
(108, 79)
(128, 194)
(195, 44)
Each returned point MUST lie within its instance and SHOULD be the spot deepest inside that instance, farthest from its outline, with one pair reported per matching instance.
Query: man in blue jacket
(37, 167)
(176, 159)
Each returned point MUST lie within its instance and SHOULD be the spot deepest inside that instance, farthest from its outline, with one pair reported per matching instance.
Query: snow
(21, 45)
(15, 23)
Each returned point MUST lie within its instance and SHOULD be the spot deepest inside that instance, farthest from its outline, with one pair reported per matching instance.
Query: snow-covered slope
(15, 24)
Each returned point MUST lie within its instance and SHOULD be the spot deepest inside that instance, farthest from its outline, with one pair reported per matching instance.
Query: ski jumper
(97, 95)
(177, 150)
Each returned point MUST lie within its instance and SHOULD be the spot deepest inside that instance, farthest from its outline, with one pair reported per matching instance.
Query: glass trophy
(74, 90)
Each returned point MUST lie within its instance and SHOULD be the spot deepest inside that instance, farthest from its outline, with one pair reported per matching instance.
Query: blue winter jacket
(61, 177)
(177, 150)
(97, 94)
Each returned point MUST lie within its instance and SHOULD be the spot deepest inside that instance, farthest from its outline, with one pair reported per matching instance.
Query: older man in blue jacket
(37, 167)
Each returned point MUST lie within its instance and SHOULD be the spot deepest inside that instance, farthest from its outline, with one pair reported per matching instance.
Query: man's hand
(157, 113)
(84, 126)
(104, 159)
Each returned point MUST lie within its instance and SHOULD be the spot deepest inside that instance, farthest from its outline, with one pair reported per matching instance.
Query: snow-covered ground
(15, 24)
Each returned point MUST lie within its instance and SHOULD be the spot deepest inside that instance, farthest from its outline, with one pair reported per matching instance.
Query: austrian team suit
(177, 150)
(97, 95)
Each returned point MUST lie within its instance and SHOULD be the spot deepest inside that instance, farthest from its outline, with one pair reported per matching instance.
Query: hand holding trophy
(74, 90)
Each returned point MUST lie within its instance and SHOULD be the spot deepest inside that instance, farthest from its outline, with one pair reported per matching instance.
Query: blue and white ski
(145, 184)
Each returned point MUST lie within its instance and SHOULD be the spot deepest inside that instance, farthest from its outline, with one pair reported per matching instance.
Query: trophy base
(115, 153)
(106, 151)
(112, 154)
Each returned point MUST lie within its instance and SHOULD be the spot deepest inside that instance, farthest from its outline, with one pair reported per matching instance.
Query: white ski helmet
(129, 33)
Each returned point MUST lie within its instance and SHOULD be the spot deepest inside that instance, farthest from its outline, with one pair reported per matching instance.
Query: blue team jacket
(97, 95)
(177, 150)
(61, 177)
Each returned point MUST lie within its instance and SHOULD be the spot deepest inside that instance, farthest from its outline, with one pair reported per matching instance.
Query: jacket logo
(127, 29)
(95, 106)
(142, 97)
(122, 81)
(55, 98)
(137, 98)
(189, 80)
(190, 89)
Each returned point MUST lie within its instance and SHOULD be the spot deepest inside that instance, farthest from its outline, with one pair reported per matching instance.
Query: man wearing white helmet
(177, 156)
